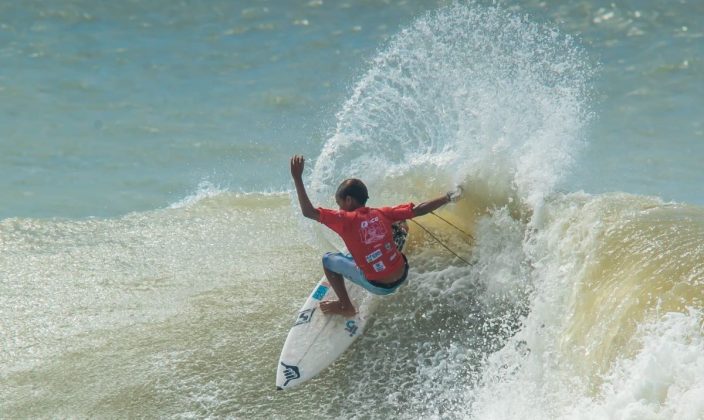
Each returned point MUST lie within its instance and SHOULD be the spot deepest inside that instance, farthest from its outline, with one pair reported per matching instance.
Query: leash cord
(440, 242)
(454, 226)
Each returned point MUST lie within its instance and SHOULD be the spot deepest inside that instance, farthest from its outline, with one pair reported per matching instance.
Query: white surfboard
(316, 340)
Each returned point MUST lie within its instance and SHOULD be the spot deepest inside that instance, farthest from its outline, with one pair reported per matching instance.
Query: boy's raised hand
(297, 164)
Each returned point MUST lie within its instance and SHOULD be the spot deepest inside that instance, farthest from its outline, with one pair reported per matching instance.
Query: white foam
(206, 189)
(472, 95)
(664, 380)
(593, 345)
(467, 93)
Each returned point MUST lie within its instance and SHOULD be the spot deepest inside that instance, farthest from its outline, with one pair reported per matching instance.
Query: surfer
(375, 263)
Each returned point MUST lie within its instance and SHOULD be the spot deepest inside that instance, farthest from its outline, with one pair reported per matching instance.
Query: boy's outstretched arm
(297, 165)
(434, 204)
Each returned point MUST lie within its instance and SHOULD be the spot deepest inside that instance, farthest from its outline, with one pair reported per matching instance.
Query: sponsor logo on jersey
(372, 231)
(379, 266)
(374, 256)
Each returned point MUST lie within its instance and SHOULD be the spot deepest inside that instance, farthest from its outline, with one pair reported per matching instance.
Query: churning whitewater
(556, 316)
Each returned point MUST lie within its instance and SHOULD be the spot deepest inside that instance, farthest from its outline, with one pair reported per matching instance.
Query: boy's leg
(337, 266)
(342, 306)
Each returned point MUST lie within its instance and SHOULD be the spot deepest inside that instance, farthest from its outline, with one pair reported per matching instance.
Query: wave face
(613, 326)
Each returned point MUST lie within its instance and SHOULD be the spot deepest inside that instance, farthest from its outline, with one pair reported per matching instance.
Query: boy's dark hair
(354, 188)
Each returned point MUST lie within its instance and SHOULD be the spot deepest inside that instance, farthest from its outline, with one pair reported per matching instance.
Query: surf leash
(440, 242)
(453, 225)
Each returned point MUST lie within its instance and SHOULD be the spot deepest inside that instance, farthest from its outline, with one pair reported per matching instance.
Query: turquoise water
(113, 108)
(152, 258)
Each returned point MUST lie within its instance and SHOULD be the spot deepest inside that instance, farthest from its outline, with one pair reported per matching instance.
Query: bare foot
(335, 307)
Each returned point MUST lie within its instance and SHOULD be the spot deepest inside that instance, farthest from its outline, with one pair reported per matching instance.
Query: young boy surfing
(375, 263)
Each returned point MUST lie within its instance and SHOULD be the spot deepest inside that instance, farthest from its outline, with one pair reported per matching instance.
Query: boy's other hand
(454, 195)
(297, 164)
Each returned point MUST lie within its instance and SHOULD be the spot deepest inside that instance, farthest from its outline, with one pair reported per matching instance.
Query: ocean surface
(153, 258)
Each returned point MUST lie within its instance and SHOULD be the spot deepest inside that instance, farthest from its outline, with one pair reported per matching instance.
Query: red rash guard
(367, 234)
